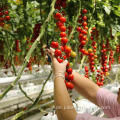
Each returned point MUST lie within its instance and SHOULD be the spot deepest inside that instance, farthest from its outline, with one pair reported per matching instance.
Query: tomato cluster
(4, 15)
(36, 31)
(82, 29)
(63, 52)
(17, 46)
(60, 4)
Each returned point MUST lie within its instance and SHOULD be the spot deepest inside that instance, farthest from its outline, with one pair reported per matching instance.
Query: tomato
(62, 48)
(60, 60)
(66, 75)
(94, 51)
(83, 51)
(93, 43)
(1, 14)
(84, 37)
(59, 24)
(68, 64)
(80, 35)
(95, 47)
(92, 63)
(73, 54)
(103, 45)
(86, 52)
(98, 83)
(58, 15)
(64, 40)
(62, 28)
(2, 24)
(58, 53)
(84, 32)
(69, 85)
(54, 44)
(86, 76)
(70, 77)
(6, 12)
(63, 19)
(86, 68)
(84, 18)
(84, 24)
(92, 59)
(80, 21)
(69, 70)
(64, 57)
(94, 28)
(1, 19)
(79, 29)
(90, 50)
(83, 42)
(85, 27)
(7, 18)
(62, 34)
(84, 11)
(71, 64)
(92, 38)
(67, 49)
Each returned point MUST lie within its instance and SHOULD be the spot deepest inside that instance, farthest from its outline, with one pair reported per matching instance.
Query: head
(118, 98)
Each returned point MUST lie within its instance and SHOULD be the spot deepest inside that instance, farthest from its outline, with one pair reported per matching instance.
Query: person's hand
(58, 68)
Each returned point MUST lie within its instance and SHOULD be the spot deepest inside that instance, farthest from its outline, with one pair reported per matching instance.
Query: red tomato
(6, 12)
(80, 35)
(58, 15)
(84, 11)
(70, 77)
(95, 47)
(62, 48)
(60, 60)
(84, 18)
(94, 28)
(54, 44)
(68, 64)
(58, 53)
(91, 54)
(1, 19)
(92, 59)
(69, 85)
(7, 18)
(92, 38)
(86, 68)
(84, 37)
(66, 75)
(63, 19)
(67, 49)
(83, 42)
(64, 57)
(62, 28)
(62, 34)
(59, 24)
(85, 27)
(2, 24)
(69, 70)
(64, 40)
(84, 24)
(1, 14)
(79, 29)
(84, 32)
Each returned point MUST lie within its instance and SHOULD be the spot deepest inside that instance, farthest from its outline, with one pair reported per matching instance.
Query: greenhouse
(60, 60)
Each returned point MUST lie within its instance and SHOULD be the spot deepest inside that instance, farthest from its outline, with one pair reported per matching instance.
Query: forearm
(85, 87)
(63, 103)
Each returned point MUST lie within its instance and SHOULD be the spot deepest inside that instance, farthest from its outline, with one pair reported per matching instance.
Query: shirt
(107, 101)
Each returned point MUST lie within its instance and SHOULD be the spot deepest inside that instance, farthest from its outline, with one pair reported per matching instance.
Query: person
(106, 100)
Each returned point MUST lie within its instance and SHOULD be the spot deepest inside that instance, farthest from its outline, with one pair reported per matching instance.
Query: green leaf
(107, 9)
